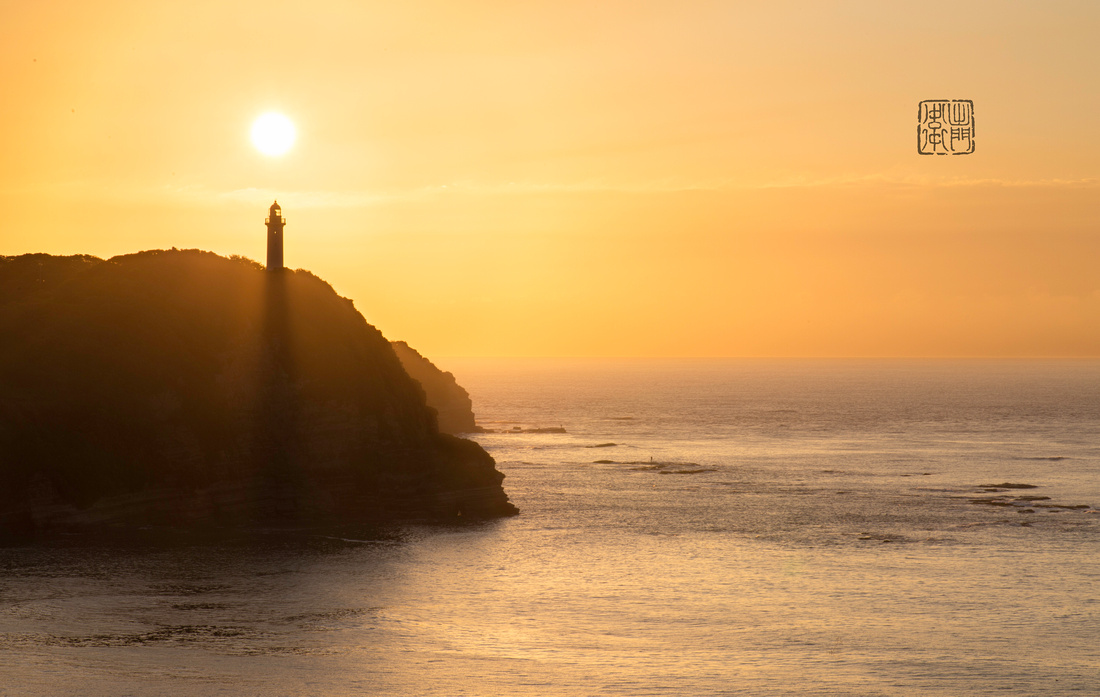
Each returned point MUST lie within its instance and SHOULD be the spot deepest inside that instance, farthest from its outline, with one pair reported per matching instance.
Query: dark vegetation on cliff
(181, 387)
(449, 399)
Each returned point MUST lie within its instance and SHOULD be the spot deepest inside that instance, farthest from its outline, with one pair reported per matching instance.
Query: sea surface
(702, 527)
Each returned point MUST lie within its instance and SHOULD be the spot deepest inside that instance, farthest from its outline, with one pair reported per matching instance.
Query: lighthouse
(275, 222)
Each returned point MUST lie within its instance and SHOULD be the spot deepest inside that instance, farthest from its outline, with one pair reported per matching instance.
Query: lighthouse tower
(275, 222)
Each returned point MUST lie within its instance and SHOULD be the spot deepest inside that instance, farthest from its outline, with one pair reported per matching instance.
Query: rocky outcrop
(451, 402)
(184, 388)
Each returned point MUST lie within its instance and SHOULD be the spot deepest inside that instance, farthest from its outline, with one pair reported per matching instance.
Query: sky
(587, 178)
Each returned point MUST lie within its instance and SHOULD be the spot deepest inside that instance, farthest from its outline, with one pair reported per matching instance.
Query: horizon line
(897, 357)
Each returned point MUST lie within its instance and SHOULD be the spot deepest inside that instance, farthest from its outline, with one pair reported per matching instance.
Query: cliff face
(184, 387)
(451, 402)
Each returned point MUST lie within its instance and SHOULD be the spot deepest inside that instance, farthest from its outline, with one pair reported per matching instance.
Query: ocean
(701, 527)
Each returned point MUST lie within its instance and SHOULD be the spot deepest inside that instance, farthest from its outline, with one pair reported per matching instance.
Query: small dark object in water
(604, 462)
(687, 471)
(1008, 485)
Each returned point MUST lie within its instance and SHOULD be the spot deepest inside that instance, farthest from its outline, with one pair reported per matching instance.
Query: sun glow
(273, 134)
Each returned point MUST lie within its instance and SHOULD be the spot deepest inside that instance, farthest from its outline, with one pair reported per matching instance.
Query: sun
(273, 134)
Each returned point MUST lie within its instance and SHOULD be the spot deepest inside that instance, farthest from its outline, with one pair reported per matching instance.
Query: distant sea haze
(711, 527)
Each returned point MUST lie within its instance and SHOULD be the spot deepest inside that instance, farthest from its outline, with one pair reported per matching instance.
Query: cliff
(185, 388)
(451, 402)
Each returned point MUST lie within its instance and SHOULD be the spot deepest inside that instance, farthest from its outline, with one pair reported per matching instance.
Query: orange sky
(606, 179)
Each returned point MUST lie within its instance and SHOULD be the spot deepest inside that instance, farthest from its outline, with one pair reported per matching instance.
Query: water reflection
(284, 595)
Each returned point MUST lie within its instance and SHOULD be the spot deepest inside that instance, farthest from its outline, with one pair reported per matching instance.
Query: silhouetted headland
(181, 388)
(450, 400)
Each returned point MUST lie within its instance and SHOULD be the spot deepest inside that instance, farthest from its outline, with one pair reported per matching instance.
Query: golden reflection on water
(839, 555)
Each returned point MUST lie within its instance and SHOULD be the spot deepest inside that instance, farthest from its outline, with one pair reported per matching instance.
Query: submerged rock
(181, 388)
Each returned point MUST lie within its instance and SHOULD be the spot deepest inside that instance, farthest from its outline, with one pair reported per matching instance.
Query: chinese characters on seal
(945, 127)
